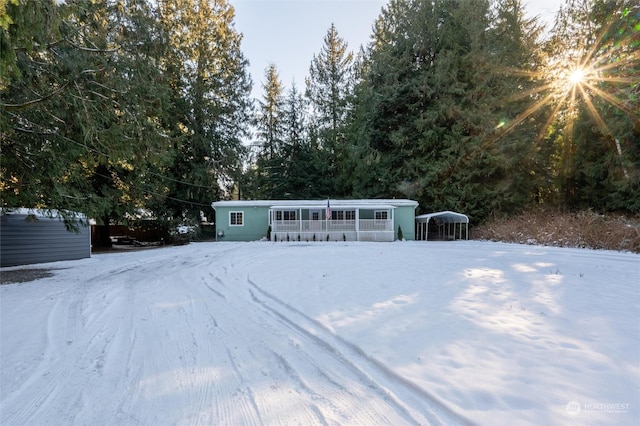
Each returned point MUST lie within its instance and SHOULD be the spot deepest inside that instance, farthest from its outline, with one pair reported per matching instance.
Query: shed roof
(445, 217)
(41, 213)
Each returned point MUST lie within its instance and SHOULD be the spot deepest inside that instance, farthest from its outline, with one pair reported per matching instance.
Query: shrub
(400, 235)
(552, 227)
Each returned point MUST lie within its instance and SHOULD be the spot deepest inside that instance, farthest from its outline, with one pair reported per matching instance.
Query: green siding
(405, 217)
(256, 220)
(256, 223)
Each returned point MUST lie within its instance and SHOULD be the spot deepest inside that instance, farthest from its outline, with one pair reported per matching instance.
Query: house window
(343, 215)
(315, 215)
(236, 218)
(381, 215)
(286, 215)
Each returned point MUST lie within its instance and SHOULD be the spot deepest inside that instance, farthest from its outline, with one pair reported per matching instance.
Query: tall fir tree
(88, 144)
(267, 172)
(211, 85)
(430, 102)
(595, 128)
(301, 171)
(329, 86)
(270, 126)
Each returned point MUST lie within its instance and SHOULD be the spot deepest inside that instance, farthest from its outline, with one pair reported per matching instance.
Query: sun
(577, 76)
(578, 81)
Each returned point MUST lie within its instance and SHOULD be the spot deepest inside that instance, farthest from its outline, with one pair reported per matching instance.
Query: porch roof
(335, 207)
(445, 217)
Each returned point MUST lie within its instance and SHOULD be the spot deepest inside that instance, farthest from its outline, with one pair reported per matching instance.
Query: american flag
(328, 210)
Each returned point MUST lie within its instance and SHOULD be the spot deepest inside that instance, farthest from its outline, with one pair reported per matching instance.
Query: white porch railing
(364, 225)
(319, 230)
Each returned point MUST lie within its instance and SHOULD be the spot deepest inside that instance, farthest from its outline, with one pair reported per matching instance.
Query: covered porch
(332, 222)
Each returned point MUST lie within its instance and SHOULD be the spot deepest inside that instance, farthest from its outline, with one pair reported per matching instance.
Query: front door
(315, 220)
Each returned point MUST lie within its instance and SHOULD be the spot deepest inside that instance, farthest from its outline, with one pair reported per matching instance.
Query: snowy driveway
(343, 333)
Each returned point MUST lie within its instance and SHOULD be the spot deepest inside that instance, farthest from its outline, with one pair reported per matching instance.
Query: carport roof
(445, 217)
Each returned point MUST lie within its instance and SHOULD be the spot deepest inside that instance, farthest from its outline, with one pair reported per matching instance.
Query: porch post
(357, 224)
(393, 223)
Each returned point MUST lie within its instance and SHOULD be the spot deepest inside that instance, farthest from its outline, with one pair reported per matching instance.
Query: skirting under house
(30, 236)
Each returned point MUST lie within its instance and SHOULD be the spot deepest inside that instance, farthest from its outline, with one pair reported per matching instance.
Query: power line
(157, 193)
(97, 151)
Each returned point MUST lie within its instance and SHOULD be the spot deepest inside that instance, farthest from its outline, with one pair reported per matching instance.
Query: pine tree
(596, 133)
(329, 86)
(267, 174)
(301, 172)
(208, 74)
(270, 120)
(431, 98)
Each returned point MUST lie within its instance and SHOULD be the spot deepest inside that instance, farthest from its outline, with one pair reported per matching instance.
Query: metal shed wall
(26, 240)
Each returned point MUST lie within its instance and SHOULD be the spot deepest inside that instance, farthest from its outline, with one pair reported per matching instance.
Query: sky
(289, 32)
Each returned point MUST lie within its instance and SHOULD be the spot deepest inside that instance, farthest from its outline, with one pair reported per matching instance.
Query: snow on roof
(446, 217)
(44, 213)
(368, 203)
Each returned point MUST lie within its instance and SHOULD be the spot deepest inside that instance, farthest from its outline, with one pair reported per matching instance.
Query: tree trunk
(103, 237)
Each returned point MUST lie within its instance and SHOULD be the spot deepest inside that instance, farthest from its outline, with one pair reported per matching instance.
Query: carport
(442, 226)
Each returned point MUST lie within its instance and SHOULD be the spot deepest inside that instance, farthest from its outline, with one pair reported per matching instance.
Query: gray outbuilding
(30, 236)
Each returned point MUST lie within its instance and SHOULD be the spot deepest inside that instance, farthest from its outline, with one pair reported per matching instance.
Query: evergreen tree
(301, 168)
(270, 120)
(431, 100)
(596, 134)
(267, 174)
(88, 144)
(329, 86)
(294, 117)
(209, 80)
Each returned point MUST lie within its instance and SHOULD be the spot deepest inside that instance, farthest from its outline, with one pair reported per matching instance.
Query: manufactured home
(315, 220)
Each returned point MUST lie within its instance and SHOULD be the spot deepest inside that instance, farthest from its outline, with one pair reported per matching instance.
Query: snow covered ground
(325, 333)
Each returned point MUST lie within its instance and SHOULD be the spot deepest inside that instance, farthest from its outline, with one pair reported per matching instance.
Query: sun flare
(577, 76)
(603, 73)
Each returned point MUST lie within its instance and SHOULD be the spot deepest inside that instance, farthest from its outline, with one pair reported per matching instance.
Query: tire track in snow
(162, 344)
(411, 400)
(294, 391)
(42, 383)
